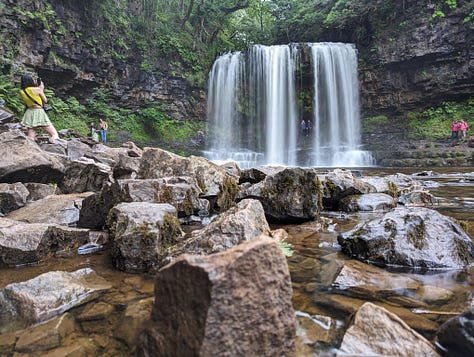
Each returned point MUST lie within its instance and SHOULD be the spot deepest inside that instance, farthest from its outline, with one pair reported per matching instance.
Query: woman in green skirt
(32, 93)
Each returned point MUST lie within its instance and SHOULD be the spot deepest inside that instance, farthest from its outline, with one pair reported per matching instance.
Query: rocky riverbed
(122, 251)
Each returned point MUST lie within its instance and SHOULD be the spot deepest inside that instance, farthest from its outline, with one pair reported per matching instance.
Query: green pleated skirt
(34, 117)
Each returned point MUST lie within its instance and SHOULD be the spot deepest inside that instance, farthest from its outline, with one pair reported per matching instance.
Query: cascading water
(255, 107)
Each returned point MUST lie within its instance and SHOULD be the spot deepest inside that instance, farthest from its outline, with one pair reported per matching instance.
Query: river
(323, 308)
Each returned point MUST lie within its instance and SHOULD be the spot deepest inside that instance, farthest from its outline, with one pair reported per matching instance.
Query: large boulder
(241, 223)
(181, 192)
(211, 178)
(415, 237)
(142, 233)
(85, 176)
(12, 196)
(234, 303)
(293, 194)
(26, 243)
(456, 336)
(54, 209)
(375, 331)
(24, 161)
(46, 296)
(338, 184)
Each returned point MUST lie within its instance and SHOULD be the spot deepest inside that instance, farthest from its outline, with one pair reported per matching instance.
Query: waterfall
(255, 106)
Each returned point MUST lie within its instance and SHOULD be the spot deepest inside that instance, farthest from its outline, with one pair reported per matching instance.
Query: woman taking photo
(32, 93)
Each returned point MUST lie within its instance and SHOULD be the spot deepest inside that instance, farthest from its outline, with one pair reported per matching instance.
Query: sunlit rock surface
(55, 209)
(234, 303)
(415, 237)
(46, 296)
(241, 223)
(377, 332)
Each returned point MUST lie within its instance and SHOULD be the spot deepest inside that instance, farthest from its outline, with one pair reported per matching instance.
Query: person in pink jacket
(463, 126)
(455, 126)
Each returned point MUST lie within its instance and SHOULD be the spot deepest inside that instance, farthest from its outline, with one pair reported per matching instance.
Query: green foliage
(371, 124)
(286, 248)
(435, 123)
(437, 14)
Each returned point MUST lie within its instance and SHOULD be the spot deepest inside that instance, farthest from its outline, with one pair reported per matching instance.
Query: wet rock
(315, 333)
(211, 179)
(141, 234)
(83, 176)
(133, 321)
(12, 196)
(25, 243)
(417, 198)
(367, 202)
(434, 295)
(46, 296)
(364, 280)
(456, 336)
(56, 209)
(338, 184)
(97, 311)
(41, 190)
(376, 331)
(46, 336)
(292, 194)
(241, 223)
(24, 161)
(234, 303)
(415, 237)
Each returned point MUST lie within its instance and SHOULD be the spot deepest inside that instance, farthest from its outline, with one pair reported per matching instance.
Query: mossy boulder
(142, 234)
(413, 237)
(293, 194)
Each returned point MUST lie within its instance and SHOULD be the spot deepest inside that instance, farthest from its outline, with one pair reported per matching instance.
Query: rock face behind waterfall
(234, 303)
(415, 237)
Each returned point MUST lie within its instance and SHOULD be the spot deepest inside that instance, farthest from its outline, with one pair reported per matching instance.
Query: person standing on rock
(455, 126)
(463, 126)
(94, 132)
(32, 93)
(103, 130)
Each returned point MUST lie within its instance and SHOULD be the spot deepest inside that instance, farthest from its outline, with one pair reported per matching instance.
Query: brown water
(313, 267)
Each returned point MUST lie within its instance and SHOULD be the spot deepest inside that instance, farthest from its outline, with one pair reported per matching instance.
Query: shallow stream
(323, 309)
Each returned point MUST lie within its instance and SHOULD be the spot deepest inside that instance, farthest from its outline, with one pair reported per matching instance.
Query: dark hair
(27, 81)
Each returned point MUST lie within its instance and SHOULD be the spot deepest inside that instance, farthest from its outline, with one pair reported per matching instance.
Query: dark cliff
(76, 47)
